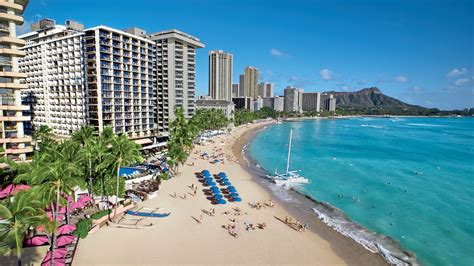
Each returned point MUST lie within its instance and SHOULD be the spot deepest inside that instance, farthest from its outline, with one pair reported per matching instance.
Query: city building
(250, 83)
(242, 102)
(257, 104)
(265, 89)
(175, 75)
(241, 86)
(226, 106)
(235, 90)
(328, 102)
(136, 31)
(276, 103)
(311, 102)
(120, 75)
(55, 69)
(220, 75)
(14, 144)
(293, 99)
(43, 24)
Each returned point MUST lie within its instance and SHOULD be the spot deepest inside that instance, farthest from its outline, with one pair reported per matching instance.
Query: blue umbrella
(206, 175)
(218, 196)
(234, 194)
(221, 201)
(216, 161)
(232, 190)
(224, 179)
(207, 178)
(211, 183)
(231, 187)
(237, 199)
(226, 183)
(222, 174)
(205, 172)
(215, 189)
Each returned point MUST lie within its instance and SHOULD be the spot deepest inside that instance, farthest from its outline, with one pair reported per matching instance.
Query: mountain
(373, 101)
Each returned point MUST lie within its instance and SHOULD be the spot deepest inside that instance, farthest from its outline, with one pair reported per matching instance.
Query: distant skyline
(420, 52)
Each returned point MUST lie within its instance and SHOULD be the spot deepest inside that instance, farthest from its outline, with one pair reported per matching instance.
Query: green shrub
(82, 228)
(100, 214)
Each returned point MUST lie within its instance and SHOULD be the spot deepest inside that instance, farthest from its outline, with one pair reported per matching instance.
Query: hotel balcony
(16, 140)
(15, 118)
(12, 40)
(18, 8)
(14, 52)
(13, 74)
(15, 18)
(18, 150)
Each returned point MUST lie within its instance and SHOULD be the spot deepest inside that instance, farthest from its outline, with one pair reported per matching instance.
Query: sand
(180, 239)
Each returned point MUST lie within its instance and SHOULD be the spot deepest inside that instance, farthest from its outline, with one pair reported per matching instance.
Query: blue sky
(418, 51)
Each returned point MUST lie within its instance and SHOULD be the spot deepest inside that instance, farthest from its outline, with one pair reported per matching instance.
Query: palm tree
(83, 135)
(43, 134)
(88, 155)
(18, 214)
(124, 152)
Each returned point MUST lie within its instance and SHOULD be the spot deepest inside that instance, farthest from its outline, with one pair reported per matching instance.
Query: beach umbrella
(222, 174)
(85, 199)
(234, 194)
(216, 161)
(59, 217)
(36, 241)
(207, 178)
(56, 262)
(224, 179)
(218, 196)
(211, 183)
(205, 172)
(65, 240)
(215, 189)
(76, 205)
(58, 253)
(226, 183)
(236, 199)
(12, 189)
(221, 201)
(66, 229)
(230, 187)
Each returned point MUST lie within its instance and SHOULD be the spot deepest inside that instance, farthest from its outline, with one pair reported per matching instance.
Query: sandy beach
(180, 239)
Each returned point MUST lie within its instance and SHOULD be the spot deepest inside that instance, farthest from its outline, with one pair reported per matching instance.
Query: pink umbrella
(59, 217)
(58, 253)
(85, 199)
(36, 241)
(12, 189)
(66, 229)
(76, 205)
(65, 240)
(57, 262)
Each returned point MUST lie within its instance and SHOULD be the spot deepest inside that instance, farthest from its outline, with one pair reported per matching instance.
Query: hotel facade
(13, 141)
(220, 75)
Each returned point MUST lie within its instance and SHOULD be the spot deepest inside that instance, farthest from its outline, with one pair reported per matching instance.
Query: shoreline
(346, 248)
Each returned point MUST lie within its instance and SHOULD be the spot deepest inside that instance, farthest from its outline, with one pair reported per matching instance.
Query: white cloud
(461, 82)
(326, 74)
(456, 72)
(401, 79)
(277, 53)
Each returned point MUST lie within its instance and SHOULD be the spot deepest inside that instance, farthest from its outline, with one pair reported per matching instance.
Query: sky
(417, 51)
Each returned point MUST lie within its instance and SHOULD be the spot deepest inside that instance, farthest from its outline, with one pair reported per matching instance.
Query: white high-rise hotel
(56, 71)
(220, 75)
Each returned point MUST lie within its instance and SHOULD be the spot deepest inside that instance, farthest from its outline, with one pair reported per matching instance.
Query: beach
(181, 239)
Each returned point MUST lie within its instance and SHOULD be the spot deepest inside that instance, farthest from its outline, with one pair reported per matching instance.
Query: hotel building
(293, 99)
(55, 68)
(311, 101)
(13, 141)
(175, 75)
(250, 82)
(220, 75)
(120, 76)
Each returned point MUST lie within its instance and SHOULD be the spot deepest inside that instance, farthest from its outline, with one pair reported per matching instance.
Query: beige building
(250, 83)
(293, 99)
(226, 106)
(220, 75)
(265, 89)
(235, 90)
(175, 75)
(13, 141)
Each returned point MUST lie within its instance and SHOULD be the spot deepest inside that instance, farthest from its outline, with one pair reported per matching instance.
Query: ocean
(410, 179)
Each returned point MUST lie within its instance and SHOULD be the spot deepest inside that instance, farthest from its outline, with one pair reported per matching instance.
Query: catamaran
(290, 177)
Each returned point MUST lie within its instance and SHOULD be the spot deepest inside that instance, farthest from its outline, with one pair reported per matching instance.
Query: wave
(373, 126)
(423, 125)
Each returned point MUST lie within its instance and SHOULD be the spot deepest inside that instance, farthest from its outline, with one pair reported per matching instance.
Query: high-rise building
(235, 90)
(55, 68)
(13, 141)
(311, 101)
(220, 75)
(176, 75)
(120, 73)
(276, 103)
(293, 99)
(328, 102)
(250, 88)
(241, 86)
(265, 89)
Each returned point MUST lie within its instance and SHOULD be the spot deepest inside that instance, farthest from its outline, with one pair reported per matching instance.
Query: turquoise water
(408, 178)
